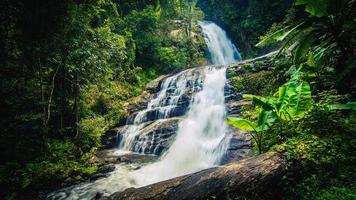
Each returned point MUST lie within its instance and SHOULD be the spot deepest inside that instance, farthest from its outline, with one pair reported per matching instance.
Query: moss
(231, 74)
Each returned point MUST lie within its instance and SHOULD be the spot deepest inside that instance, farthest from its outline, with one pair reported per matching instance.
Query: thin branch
(51, 95)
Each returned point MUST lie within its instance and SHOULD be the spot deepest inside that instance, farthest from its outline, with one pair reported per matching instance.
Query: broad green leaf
(303, 47)
(317, 8)
(260, 101)
(301, 102)
(286, 92)
(271, 37)
(242, 124)
(266, 120)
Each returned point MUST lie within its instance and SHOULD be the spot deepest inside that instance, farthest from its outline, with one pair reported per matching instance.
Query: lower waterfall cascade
(197, 96)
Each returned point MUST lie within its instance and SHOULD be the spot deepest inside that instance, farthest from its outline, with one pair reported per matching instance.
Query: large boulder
(252, 178)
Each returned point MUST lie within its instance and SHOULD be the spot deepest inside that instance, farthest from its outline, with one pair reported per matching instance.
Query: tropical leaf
(266, 120)
(242, 124)
(286, 92)
(301, 102)
(288, 33)
(303, 46)
(317, 8)
(265, 103)
(272, 37)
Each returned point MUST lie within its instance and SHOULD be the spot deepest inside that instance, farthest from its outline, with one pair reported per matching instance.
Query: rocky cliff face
(156, 133)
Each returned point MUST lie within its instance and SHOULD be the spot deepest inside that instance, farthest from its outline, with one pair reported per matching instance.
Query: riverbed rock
(136, 158)
(154, 85)
(235, 107)
(110, 139)
(253, 178)
(240, 146)
(98, 176)
(156, 137)
(137, 103)
(106, 168)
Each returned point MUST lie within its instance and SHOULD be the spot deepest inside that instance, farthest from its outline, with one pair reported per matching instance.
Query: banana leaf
(242, 124)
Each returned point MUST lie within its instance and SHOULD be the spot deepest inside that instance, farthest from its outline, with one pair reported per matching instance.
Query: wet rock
(108, 139)
(98, 176)
(106, 169)
(156, 137)
(124, 159)
(99, 195)
(111, 139)
(155, 84)
(137, 103)
(235, 107)
(239, 146)
(253, 178)
(136, 158)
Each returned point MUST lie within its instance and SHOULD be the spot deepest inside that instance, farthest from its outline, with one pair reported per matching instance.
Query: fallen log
(252, 178)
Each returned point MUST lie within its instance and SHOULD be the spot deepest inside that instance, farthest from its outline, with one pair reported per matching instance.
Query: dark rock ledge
(253, 178)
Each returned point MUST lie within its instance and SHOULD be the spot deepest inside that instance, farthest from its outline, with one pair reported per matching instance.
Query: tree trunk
(76, 105)
(252, 178)
(51, 96)
(42, 93)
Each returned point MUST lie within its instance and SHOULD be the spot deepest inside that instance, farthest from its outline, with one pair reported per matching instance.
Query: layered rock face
(154, 116)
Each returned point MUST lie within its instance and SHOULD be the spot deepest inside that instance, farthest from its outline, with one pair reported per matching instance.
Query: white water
(221, 49)
(201, 138)
(172, 88)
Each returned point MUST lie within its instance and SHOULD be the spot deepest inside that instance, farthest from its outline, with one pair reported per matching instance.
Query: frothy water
(201, 139)
(221, 49)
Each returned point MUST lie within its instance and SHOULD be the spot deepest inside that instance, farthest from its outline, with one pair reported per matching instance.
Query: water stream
(201, 139)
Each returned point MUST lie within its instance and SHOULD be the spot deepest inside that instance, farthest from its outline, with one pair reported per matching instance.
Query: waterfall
(222, 50)
(162, 106)
(201, 139)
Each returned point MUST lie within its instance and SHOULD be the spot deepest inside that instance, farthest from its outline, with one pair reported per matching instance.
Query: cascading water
(201, 139)
(221, 49)
(161, 106)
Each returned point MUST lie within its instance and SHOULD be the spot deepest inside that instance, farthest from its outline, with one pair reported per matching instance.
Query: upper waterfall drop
(222, 50)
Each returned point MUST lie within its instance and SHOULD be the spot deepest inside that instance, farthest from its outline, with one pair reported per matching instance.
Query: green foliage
(68, 67)
(259, 83)
(293, 101)
(317, 8)
(90, 131)
(242, 124)
(245, 21)
(322, 40)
